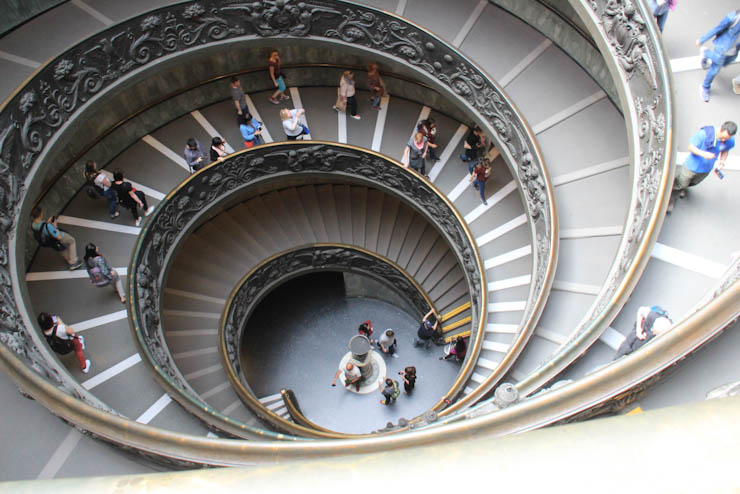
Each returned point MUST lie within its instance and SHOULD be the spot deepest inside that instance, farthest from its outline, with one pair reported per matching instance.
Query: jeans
(471, 165)
(718, 61)
(660, 19)
(112, 197)
(481, 186)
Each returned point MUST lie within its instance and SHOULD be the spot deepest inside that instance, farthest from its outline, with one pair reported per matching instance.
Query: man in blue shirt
(47, 230)
(705, 148)
(724, 50)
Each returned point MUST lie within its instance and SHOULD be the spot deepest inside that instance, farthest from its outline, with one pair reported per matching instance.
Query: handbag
(341, 104)
(305, 129)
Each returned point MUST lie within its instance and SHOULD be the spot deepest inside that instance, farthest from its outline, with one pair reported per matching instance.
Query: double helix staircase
(582, 138)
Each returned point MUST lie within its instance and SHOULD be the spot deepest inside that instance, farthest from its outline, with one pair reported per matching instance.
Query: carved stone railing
(34, 118)
(273, 272)
(628, 38)
(228, 182)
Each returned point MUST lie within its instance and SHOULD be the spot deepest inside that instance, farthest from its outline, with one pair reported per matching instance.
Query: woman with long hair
(101, 273)
(278, 79)
(346, 100)
(376, 84)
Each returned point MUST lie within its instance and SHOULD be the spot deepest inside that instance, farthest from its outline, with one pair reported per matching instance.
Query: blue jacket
(726, 34)
(249, 130)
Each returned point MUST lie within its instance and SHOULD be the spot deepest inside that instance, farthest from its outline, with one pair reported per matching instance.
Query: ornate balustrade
(229, 182)
(273, 272)
(34, 118)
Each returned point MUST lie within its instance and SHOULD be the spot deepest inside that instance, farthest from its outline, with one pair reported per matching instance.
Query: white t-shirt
(385, 340)
(60, 329)
(289, 121)
(352, 374)
(100, 180)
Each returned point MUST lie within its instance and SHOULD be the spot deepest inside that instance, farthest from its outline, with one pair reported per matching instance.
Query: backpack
(45, 239)
(96, 275)
(396, 390)
(60, 346)
(93, 191)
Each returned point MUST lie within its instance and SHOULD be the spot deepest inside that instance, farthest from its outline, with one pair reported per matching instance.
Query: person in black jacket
(130, 198)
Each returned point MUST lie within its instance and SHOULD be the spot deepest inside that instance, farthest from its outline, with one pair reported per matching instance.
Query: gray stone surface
(301, 348)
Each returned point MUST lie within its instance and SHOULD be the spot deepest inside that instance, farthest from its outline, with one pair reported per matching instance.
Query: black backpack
(93, 191)
(60, 346)
(44, 239)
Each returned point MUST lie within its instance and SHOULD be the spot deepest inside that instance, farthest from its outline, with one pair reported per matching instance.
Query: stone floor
(298, 336)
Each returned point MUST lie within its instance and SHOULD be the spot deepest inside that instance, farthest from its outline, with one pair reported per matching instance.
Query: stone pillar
(360, 348)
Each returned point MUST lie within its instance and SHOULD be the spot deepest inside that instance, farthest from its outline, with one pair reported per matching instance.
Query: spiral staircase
(583, 140)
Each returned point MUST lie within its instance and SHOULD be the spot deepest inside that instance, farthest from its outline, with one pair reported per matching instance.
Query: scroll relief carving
(218, 181)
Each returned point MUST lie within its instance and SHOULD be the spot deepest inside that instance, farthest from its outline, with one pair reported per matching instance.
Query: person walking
(238, 96)
(389, 389)
(195, 157)
(102, 180)
(48, 234)
(278, 78)
(366, 330)
(428, 127)
(724, 49)
(218, 149)
(706, 147)
(346, 100)
(376, 84)
(100, 272)
(291, 123)
(660, 9)
(130, 198)
(474, 141)
(415, 152)
(63, 339)
(251, 130)
(409, 378)
(478, 176)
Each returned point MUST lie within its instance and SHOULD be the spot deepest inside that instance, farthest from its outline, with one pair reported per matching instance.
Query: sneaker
(376, 107)
(704, 62)
(114, 216)
(82, 341)
(138, 221)
(87, 367)
(356, 117)
(274, 101)
(395, 355)
(334, 107)
(485, 203)
(682, 194)
(704, 94)
(149, 210)
(76, 265)
(284, 97)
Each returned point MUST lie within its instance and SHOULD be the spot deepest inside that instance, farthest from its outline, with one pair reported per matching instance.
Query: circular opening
(299, 336)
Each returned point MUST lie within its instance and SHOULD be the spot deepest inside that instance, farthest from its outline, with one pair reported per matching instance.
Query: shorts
(281, 84)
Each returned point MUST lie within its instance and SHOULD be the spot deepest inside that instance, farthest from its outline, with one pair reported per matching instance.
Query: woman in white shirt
(291, 123)
(63, 339)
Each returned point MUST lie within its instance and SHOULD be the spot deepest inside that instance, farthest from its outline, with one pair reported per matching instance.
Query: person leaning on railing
(706, 147)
